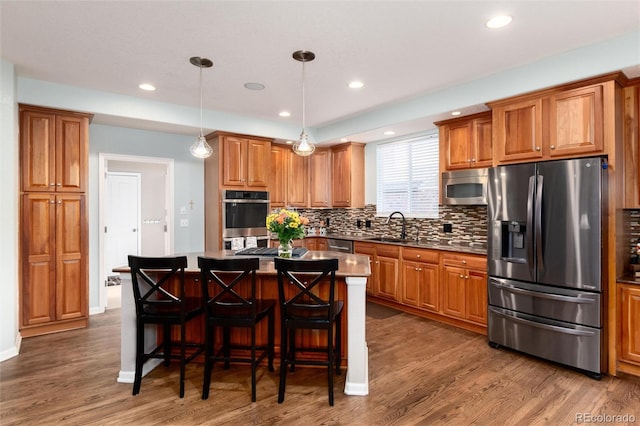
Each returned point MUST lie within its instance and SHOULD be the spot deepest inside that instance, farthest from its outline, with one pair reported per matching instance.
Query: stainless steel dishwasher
(344, 246)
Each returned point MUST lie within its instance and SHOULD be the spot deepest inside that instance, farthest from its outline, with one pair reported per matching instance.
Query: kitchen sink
(391, 240)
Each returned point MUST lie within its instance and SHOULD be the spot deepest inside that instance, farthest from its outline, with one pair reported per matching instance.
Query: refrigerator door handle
(530, 195)
(541, 295)
(543, 326)
(538, 219)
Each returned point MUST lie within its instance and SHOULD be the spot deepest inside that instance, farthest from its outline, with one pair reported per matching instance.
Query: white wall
(188, 186)
(9, 216)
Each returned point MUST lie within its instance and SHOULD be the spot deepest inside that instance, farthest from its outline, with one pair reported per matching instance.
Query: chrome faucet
(403, 233)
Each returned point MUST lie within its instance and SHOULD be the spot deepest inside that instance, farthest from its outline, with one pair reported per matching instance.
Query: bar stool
(229, 306)
(302, 306)
(160, 299)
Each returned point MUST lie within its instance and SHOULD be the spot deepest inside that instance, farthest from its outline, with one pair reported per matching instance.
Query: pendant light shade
(200, 147)
(303, 147)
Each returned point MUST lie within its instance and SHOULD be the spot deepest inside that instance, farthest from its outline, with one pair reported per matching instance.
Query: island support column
(357, 380)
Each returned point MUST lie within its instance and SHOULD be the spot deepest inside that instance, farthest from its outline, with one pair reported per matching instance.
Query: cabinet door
(71, 153)
(320, 178)
(631, 142)
(38, 252)
(457, 145)
(453, 292)
(322, 244)
(369, 250)
(297, 181)
(482, 143)
(71, 269)
(233, 163)
(411, 283)
(576, 122)
(517, 130)
(278, 182)
(387, 277)
(341, 177)
(37, 151)
(429, 287)
(476, 296)
(629, 314)
(257, 163)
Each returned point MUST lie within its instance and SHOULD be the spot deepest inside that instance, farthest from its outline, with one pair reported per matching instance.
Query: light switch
(183, 210)
(184, 223)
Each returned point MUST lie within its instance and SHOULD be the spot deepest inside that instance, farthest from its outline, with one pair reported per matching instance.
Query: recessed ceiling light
(389, 132)
(356, 84)
(148, 87)
(289, 142)
(499, 21)
(254, 86)
(344, 140)
(456, 113)
(284, 114)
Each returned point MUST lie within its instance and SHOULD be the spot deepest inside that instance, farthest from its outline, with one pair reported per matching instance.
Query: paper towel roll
(251, 242)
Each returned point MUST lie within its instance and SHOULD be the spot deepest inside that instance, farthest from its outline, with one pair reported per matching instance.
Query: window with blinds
(407, 177)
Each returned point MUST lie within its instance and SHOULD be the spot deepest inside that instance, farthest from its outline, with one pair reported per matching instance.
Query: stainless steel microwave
(462, 187)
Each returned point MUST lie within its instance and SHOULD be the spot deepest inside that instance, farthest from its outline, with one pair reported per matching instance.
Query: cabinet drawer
(419, 255)
(365, 248)
(465, 261)
(388, 251)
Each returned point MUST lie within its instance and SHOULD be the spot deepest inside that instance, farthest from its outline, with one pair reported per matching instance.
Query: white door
(122, 221)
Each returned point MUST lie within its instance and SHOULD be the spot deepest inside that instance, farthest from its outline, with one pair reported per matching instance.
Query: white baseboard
(96, 310)
(128, 376)
(12, 352)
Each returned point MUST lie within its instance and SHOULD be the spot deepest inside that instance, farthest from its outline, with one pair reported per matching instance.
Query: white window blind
(407, 177)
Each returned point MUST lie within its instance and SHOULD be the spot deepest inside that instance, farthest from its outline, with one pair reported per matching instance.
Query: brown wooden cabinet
(320, 178)
(368, 249)
(289, 177)
(629, 318)
(464, 287)
(561, 122)
(53, 150)
(54, 275)
(466, 142)
(387, 262)
(631, 144)
(243, 161)
(347, 175)
(419, 284)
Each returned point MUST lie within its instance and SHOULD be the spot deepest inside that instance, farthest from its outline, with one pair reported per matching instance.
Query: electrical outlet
(448, 227)
(184, 223)
(367, 223)
(359, 223)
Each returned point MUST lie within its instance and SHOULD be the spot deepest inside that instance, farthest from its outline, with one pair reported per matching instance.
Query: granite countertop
(462, 247)
(629, 279)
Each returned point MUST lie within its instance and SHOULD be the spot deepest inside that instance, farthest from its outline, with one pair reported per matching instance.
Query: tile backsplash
(468, 224)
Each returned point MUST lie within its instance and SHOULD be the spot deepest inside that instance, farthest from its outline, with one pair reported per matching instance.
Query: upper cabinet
(244, 161)
(561, 122)
(631, 141)
(466, 142)
(289, 177)
(54, 150)
(347, 174)
(320, 178)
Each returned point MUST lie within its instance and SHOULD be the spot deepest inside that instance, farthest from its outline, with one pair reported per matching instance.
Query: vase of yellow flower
(287, 225)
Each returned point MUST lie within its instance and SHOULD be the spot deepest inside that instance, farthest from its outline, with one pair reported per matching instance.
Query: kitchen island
(351, 280)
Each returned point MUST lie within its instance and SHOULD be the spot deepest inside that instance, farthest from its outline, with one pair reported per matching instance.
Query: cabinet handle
(537, 148)
(52, 184)
(473, 160)
(466, 277)
(59, 202)
(461, 276)
(464, 262)
(52, 202)
(58, 184)
(418, 256)
(552, 147)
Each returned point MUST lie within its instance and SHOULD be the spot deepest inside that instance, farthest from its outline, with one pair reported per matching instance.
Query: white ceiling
(400, 49)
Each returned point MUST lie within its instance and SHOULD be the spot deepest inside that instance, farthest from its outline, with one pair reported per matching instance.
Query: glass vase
(285, 249)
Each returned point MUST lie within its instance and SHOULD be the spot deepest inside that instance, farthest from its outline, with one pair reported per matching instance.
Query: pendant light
(200, 147)
(303, 147)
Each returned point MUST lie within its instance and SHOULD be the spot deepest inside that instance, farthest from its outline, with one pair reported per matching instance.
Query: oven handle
(544, 326)
(245, 201)
(540, 295)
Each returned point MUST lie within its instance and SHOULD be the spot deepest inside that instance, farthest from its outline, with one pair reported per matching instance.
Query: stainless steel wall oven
(244, 215)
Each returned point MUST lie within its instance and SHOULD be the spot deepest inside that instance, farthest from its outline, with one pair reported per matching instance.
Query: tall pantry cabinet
(54, 273)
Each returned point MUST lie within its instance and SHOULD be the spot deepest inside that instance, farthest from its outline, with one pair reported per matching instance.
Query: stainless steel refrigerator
(545, 257)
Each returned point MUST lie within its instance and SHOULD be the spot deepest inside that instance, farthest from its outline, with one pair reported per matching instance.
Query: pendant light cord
(303, 109)
(201, 135)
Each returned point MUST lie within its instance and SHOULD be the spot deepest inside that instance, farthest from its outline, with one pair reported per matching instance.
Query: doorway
(136, 215)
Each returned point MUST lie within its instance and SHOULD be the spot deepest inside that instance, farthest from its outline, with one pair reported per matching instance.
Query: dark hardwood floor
(421, 372)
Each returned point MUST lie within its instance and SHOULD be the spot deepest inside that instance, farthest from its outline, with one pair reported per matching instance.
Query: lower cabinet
(464, 287)
(445, 286)
(419, 282)
(629, 338)
(54, 285)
